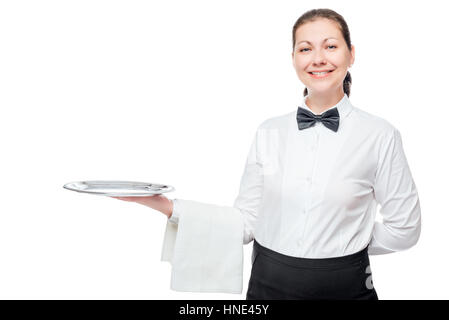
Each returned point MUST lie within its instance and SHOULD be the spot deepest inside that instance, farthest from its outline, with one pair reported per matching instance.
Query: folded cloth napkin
(205, 248)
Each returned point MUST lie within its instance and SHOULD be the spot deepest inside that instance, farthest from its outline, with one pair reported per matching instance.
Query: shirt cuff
(175, 214)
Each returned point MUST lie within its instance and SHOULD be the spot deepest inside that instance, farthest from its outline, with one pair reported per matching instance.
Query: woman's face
(320, 46)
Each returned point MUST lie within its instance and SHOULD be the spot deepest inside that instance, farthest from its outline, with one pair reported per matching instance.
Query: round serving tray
(117, 188)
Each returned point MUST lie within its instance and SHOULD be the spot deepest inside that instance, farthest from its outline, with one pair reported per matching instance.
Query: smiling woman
(322, 54)
(316, 225)
(308, 194)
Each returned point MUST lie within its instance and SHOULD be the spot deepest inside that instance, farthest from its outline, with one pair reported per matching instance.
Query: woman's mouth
(320, 74)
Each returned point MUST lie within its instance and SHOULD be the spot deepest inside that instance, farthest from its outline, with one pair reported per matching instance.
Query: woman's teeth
(320, 75)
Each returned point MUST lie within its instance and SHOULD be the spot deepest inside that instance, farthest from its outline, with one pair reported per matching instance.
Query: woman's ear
(352, 55)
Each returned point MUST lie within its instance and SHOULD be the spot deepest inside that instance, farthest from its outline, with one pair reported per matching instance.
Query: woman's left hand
(157, 202)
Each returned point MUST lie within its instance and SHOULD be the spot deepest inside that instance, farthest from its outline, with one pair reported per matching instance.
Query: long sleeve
(250, 193)
(395, 191)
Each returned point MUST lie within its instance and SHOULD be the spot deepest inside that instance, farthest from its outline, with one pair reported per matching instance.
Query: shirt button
(312, 148)
(303, 211)
(299, 242)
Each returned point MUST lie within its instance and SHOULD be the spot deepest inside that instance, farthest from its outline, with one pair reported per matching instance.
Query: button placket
(309, 180)
(313, 148)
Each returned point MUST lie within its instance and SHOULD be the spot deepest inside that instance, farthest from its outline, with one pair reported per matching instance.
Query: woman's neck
(320, 103)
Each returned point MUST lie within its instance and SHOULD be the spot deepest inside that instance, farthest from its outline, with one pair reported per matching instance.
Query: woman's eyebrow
(311, 43)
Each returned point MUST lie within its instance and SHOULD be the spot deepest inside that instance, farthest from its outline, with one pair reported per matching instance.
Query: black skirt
(275, 276)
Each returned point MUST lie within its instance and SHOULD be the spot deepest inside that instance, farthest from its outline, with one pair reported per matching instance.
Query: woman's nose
(319, 58)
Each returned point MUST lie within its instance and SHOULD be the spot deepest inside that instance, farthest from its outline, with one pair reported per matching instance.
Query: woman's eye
(302, 50)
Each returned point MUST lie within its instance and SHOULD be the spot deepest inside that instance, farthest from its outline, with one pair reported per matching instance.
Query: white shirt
(313, 193)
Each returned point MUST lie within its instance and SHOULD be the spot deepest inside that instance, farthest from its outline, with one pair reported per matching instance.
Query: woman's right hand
(157, 202)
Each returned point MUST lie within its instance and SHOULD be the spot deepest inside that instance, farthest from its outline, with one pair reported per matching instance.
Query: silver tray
(116, 188)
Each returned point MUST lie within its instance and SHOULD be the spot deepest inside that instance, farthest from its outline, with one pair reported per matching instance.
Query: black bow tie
(306, 119)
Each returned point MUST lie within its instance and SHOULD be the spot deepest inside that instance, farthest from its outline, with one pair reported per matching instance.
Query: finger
(123, 198)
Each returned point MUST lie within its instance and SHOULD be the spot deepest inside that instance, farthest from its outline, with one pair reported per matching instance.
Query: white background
(172, 92)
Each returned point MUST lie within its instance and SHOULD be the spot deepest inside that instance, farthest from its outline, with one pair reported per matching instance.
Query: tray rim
(118, 194)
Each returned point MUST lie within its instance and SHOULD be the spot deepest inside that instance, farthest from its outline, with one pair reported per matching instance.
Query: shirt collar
(344, 106)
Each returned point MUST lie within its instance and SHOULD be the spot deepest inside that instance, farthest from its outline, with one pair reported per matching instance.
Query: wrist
(170, 208)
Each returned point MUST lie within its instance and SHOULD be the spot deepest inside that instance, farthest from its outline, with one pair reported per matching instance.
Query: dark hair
(315, 14)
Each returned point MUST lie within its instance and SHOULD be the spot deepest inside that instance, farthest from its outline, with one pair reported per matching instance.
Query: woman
(314, 177)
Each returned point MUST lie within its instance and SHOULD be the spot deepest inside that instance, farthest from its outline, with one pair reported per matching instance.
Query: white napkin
(205, 248)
